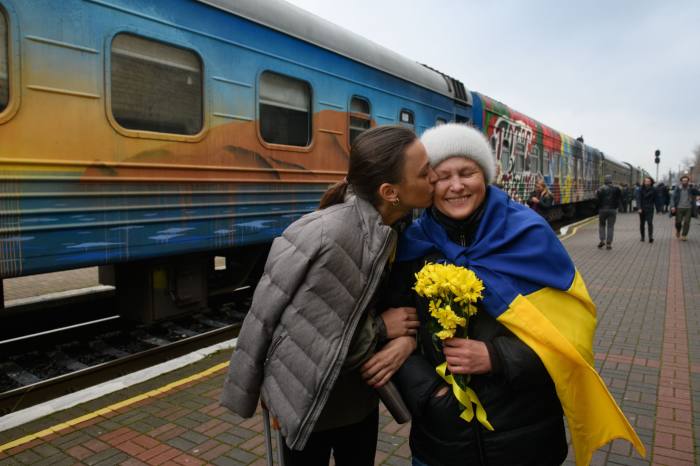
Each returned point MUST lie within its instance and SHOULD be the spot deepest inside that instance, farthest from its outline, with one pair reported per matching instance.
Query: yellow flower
(456, 286)
(445, 334)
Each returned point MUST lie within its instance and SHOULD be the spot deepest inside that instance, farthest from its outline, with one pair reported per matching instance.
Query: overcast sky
(625, 74)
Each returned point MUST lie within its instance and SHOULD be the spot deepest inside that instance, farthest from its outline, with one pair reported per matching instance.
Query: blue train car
(151, 136)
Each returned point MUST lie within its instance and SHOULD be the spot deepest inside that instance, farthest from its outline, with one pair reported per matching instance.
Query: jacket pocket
(273, 347)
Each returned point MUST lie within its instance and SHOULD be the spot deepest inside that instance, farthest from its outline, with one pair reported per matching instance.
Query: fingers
(378, 374)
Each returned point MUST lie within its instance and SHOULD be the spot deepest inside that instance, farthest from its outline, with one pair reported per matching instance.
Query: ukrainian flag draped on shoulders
(533, 288)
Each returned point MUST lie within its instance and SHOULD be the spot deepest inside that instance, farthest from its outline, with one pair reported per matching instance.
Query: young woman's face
(416, 188)
(647, 182)
(460, 187)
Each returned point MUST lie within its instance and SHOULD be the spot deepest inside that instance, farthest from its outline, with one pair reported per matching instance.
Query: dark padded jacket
(646, 198)
(609, 197)
(518, 395)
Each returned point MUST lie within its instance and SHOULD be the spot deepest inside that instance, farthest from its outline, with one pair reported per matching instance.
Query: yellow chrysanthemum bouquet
(451, 291)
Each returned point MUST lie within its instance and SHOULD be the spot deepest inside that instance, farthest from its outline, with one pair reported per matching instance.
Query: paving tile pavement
(644, 351)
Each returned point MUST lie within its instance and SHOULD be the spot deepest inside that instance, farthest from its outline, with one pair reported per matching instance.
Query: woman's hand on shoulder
(382, 365)
(466, 356)
(400, 321)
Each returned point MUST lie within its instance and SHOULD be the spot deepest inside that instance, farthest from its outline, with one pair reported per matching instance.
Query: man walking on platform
(646, 200)
(609, 198)
(683, 206)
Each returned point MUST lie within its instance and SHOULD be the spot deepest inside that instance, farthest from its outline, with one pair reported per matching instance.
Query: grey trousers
(606, 224)
(683, 220)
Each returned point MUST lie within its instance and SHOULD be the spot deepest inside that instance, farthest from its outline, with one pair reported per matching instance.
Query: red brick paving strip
(673, 429)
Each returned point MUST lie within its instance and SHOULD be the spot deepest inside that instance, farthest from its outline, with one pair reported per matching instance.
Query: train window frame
(545, 162)
(12, 63)
(145, 133)
(310, 111)
(365, 117)
(440, 121)
(556, 164)
(505, 162)
(411, 117)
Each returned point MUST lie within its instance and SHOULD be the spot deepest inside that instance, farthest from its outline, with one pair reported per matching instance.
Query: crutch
(268, 435)
(268, 439)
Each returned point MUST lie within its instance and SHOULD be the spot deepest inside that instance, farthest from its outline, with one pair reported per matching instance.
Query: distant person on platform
(667, 197)
(684, 198)
(609, 198)
(626, 198)
(541, 198)
(646, 200)
(659, 198)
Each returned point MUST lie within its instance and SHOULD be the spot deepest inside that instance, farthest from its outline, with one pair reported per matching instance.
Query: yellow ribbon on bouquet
(466, 397)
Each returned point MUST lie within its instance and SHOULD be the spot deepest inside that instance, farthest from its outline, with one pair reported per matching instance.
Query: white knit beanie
(457, 140)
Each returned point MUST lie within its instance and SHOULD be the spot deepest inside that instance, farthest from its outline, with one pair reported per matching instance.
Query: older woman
(528, 353)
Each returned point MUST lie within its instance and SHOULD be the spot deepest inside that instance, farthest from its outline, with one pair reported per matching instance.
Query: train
(149, 138)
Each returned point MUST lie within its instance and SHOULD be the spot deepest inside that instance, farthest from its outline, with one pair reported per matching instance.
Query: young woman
(541, 198)
(308, 340)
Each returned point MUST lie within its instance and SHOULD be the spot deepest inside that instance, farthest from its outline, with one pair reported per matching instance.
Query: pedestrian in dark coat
(667, 197)
(541, 198)
(659, 201)
(646, 201)
(609, 200)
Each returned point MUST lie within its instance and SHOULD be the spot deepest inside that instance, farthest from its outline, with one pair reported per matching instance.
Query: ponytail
(334, 195)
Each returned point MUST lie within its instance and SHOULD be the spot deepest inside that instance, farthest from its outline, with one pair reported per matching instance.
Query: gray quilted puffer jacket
(319, 278)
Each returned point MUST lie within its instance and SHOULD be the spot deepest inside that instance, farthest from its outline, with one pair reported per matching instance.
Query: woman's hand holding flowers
(466, 356)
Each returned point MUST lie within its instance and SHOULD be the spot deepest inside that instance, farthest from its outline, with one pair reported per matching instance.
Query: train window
(505, 157)
(360, 119)
(545, 162)
(564, 166)
(155, 86)
(440, 121)
(285, 110)
(556, 165)
(406, 118)
(4, 68)
(532, 161)
(519, 162)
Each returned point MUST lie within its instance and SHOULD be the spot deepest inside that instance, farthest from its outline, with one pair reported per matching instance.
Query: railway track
(41, 366)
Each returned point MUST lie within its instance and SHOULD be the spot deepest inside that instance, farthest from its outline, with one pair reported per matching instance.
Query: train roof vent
(459, 92)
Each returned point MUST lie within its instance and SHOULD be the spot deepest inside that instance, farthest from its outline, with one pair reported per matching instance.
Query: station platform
(647, 349)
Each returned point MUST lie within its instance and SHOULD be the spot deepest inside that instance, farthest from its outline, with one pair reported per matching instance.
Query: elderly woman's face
(460, 188)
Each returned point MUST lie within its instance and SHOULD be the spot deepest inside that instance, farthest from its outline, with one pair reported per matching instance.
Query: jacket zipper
(332, 374)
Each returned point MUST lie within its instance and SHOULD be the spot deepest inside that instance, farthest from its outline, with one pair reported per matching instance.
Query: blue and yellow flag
(533, 288)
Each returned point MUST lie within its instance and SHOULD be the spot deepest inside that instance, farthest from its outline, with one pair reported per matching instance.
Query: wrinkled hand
(400, 321)
(382, 365)
(466, 356)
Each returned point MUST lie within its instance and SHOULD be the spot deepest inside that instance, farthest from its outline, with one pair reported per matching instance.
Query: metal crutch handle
(268, 435)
